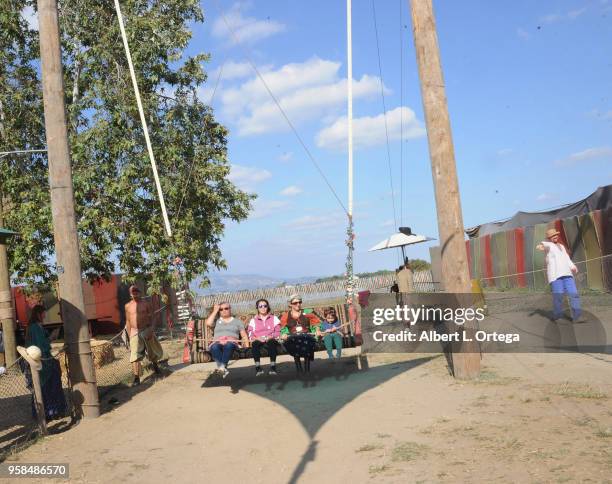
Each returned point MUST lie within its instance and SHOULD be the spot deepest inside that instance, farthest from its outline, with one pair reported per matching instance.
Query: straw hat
(34, 352)
(551, 232)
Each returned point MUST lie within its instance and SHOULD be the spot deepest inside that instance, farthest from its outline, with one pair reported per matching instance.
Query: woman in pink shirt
(263, 330)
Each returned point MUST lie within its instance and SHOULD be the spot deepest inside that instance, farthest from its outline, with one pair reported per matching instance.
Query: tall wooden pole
(76, 331)
(455, 273)
(7, 314)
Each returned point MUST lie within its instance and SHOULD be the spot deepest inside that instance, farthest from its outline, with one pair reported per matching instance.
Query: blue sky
(528, 86)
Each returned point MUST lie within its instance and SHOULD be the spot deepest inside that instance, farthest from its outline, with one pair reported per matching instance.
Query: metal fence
(18, 422)
(242, 301)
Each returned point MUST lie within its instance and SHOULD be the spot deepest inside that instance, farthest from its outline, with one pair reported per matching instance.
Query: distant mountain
(237, 282)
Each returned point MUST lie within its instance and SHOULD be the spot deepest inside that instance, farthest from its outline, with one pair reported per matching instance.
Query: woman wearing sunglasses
(263, 330)
(296, 329)
(226, 335)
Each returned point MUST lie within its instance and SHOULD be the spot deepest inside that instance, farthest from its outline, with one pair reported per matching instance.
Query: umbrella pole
(403, 255)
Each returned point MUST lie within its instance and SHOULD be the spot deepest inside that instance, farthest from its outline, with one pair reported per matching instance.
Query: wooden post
(7, 314)
(454, 266)
(76, 330)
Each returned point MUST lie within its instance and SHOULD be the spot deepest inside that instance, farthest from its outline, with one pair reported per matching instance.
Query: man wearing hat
(560, 271)
(139, 324)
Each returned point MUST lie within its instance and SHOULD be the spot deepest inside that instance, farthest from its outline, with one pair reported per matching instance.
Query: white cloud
(558, 17)
(286, 156)
(31, 17)
(306, 91)
(370, 130)
(505, 152)
(523, 34)
(318, 222)
(601, 115)
(572, 14)
(263, 208)
(543, 197)
(232, 70)
(246, 29)
(247, 177)
(603, 152)
(291, 191)
(388, 223)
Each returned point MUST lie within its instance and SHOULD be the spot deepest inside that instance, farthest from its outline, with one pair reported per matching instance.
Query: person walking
(264, 330)
(139, 325)
(227, 333)
(560, 271)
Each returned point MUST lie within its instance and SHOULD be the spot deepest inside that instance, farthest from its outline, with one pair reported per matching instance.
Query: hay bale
(103, 353)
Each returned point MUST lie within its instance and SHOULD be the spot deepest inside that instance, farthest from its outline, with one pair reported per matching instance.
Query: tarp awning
(600, 199)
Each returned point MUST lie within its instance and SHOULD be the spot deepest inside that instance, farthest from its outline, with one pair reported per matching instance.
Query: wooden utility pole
(455, 273)
(76, 331)
(7, 314)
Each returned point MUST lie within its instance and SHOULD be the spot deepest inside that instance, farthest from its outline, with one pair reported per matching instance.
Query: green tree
(119, 219)
(419, 265)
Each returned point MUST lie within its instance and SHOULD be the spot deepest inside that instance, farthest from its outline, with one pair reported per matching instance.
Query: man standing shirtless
(139, 324)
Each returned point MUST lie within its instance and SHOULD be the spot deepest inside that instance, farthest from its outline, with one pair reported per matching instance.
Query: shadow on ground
(316, 397)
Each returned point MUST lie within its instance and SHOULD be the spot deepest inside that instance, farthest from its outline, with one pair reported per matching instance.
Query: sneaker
(272, 371)
(225, 372)
(135, 381)
(156, 369)
(258, 371)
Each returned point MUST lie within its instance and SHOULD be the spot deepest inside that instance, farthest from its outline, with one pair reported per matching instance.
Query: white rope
(349, 80)
(542, 270)
(143, 120)
(17, 152)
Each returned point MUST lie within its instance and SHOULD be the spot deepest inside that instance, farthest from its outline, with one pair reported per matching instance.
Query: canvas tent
(503, 254)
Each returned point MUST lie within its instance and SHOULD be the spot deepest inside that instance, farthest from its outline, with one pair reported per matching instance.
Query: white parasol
(400, 240)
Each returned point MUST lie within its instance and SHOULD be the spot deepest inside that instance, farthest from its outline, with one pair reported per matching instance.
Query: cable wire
(382, 93)
(401, 21)
(282, 111)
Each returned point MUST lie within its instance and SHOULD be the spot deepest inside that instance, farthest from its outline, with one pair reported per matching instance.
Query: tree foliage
(118, 215)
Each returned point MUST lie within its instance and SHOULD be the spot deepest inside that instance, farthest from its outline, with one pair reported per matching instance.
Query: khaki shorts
(139, 345)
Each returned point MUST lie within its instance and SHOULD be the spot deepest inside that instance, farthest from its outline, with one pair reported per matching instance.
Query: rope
(16, 152)
(282, 111)
(543, 270)
(212, 97)
(143, 120)
(382, 93)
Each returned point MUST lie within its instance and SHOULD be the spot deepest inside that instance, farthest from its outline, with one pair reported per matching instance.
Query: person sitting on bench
(331, 332)
(263, 330)
(226, 336)
(295, 333)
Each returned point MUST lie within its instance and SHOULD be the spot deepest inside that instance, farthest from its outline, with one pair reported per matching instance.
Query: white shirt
(558, 262)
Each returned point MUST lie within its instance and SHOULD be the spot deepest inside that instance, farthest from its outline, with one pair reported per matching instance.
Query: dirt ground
(384, 418)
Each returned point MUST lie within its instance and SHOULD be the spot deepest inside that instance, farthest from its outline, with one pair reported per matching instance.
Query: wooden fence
(243, 302)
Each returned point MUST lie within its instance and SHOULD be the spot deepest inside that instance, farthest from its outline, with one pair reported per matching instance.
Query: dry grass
(573, 390)
(408, 451)
(369, 448)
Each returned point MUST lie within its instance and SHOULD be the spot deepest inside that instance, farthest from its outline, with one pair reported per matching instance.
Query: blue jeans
(222, 353)
(561, 286)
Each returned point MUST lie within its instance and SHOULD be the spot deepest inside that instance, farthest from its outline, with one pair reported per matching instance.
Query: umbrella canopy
(400, 240)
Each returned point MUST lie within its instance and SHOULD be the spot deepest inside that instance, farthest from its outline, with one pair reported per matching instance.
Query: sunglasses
(262, 306)
(224, 309)
(296, 302)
